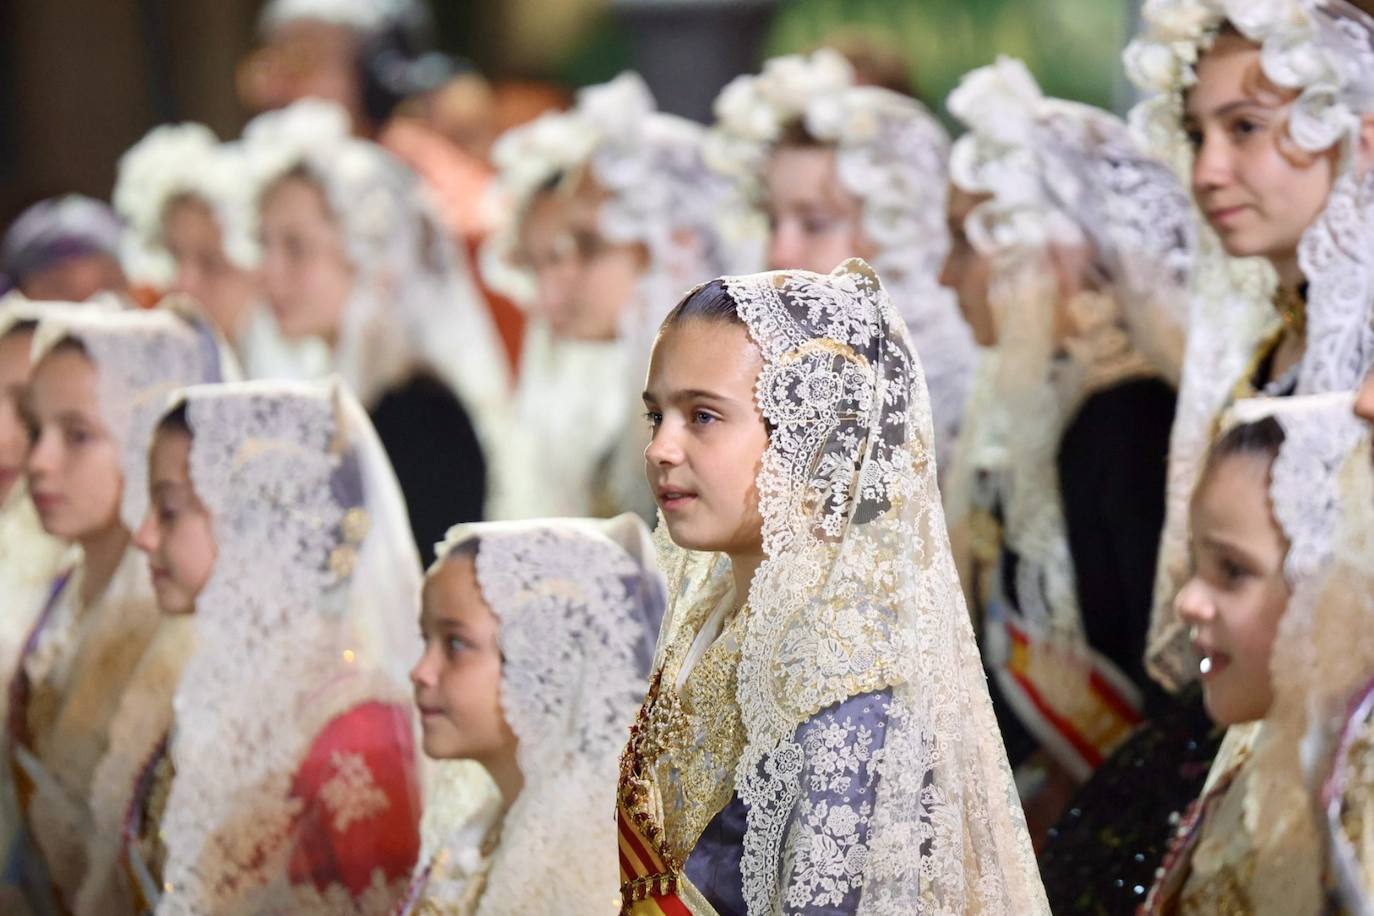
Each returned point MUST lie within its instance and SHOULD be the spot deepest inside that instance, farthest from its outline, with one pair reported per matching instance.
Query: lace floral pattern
(857, 594)
(316, 580)
(579, 604)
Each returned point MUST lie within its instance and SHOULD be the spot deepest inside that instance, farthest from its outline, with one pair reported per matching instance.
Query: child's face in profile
(176, 534)
(75, 479)
(708, 435)
(1237, 593)
(457, 681)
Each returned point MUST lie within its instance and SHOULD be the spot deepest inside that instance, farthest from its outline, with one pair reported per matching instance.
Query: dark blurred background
(82, 80)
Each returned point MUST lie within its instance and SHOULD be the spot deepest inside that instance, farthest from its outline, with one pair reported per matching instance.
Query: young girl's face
(14, 439)
(458, 678)
(306, 274)
(814, 223)
(75, 479)
(176, 534)
(708, 436)
(1256, 188)
(192, 237)
(1237, 593)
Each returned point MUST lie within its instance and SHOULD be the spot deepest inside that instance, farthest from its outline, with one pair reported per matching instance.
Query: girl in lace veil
(817, 735)
(611, 215)
(538, 637)
(189, 230)
(1271, 107)
(844, 170)
(98, 382)
(1264, 520)
(1081, 244)
(352, 253)
(289, 782)
(29, 556)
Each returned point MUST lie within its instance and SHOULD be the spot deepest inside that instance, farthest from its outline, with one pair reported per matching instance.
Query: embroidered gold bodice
(692, 736)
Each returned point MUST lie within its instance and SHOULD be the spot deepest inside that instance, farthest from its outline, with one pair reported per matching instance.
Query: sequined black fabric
(1102, 855)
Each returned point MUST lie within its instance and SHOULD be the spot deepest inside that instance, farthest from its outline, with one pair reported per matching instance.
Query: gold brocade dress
(677, 772)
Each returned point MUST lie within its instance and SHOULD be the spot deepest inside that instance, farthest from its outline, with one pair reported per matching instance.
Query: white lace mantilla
(316, 580)
(579, 604)
(413, 302)
(857, 595)
(1062, 176)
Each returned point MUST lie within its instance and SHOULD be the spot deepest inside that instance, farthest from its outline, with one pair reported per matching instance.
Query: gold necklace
(1291, 304)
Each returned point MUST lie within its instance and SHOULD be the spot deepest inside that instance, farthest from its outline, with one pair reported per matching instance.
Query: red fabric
(390, 839)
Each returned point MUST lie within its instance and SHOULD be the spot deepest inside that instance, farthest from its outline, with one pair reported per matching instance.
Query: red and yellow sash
(649, 873)
(648, 887)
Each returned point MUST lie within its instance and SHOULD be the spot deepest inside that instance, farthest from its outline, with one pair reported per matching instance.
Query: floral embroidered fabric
(857, 595)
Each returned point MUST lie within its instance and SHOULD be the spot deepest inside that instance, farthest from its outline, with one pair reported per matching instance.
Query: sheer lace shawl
(413, 302)
(570, 414)
(173, 161)
(579, 604)
(315, 582)
(858, 592)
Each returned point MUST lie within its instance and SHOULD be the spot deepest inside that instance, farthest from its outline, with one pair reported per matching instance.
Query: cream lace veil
(309, 612)
(1324, 51)
(858, 591)
(579, 604)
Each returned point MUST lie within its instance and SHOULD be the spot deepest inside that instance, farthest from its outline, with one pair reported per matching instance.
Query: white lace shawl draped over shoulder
(413, 302)
(890, 153)
(1322, 50)
(857, 593)
(309, 612)
(579, 604)
(1322, 438)
(1060, 176)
